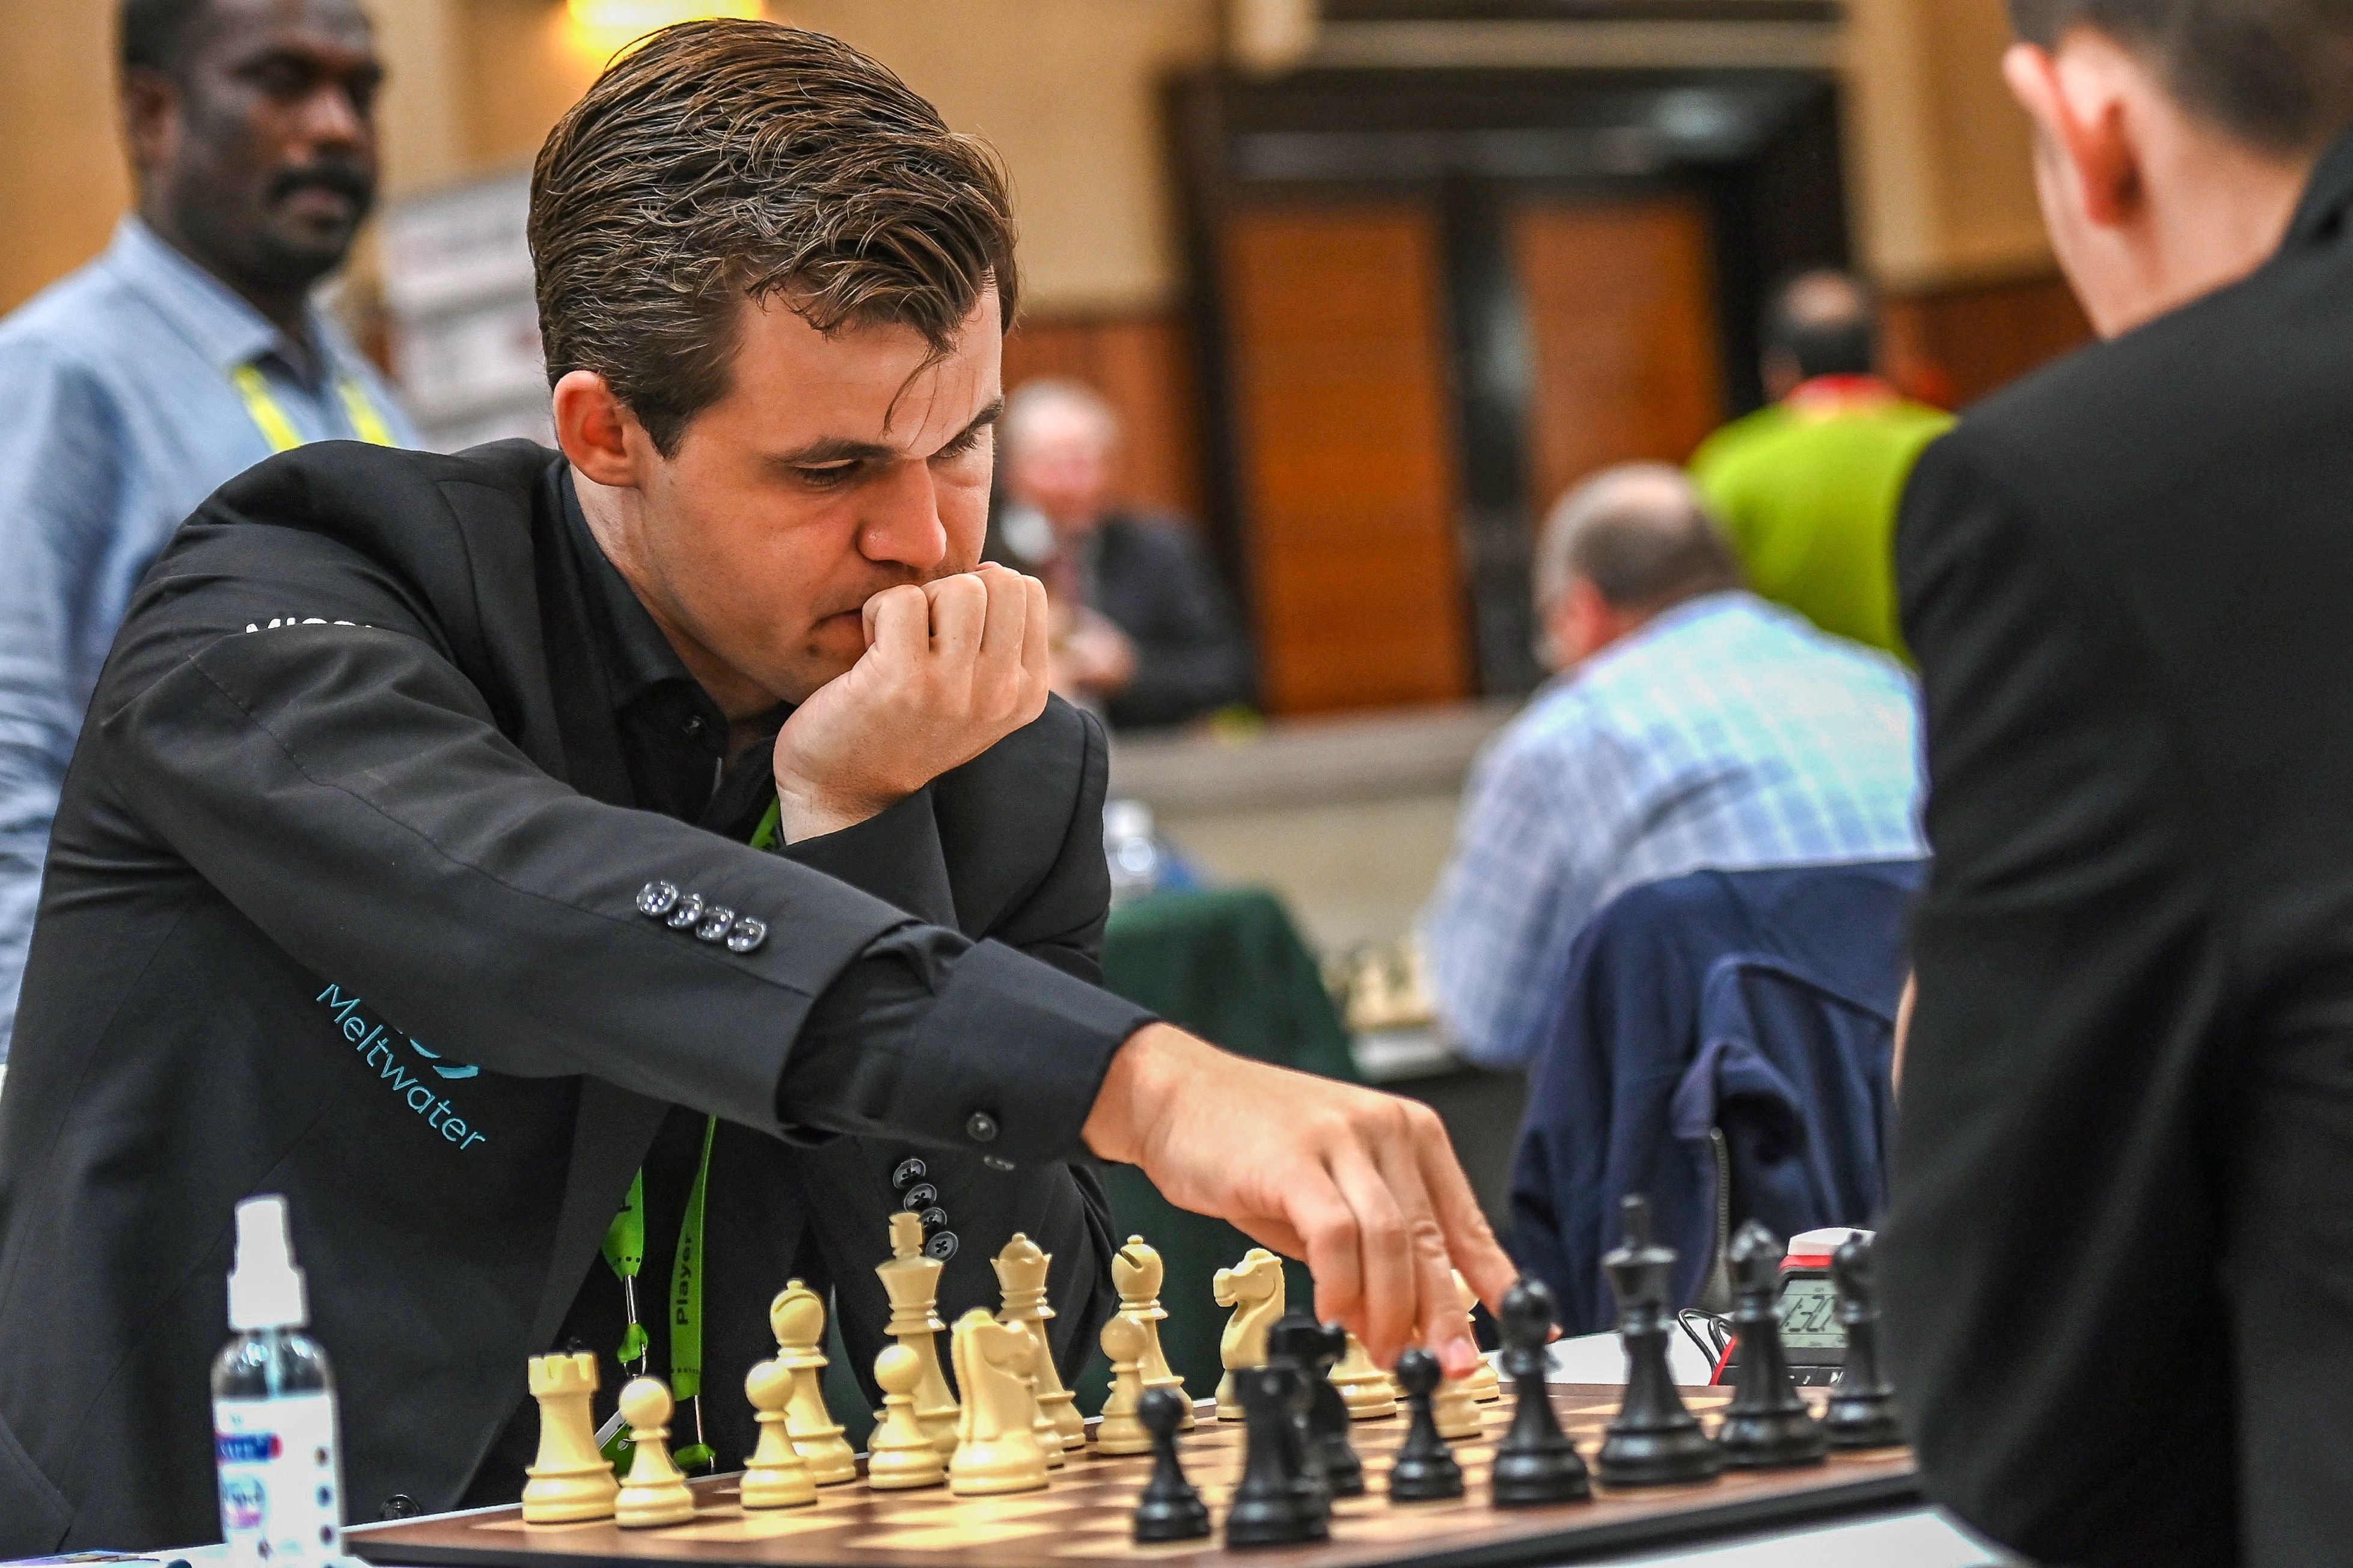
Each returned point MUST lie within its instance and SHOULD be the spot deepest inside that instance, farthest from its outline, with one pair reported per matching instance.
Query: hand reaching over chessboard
(1363, 1186)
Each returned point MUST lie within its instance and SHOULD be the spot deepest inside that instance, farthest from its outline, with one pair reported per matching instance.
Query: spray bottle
(274, 1431)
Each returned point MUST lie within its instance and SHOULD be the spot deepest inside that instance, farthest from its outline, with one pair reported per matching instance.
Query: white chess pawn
(655, 1491)
(775, 1476)
(901, 1454)
(1120, 1430)
(1455, 1410)
(1364, 1387)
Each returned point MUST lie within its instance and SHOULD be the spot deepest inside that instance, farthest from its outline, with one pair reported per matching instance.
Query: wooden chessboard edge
(1706, 1520)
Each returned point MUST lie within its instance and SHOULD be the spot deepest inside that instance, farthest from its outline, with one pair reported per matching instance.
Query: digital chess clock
(1812, 1335)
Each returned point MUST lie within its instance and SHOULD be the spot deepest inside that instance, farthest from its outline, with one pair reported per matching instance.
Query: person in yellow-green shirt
(1807, 486)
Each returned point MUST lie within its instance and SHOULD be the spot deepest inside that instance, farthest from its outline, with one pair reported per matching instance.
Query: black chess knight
(1766, 1423)
(1536, 1462)
(1315, 1348)
(1277, 1504)
(1653, 1440)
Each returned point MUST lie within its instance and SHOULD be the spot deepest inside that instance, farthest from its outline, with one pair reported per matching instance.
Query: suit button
(980, 1126)
(933, 1219)
(746, 934)
(400, 1505)
(910, 1169)
(716, 919)
(994, 1163)
(941, 1246)
(922, 1196)
(655, 899)
(688, 911)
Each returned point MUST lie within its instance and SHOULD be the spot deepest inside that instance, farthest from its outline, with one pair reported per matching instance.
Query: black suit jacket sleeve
(2048, 1260)
(892, 1041)
(394, 801)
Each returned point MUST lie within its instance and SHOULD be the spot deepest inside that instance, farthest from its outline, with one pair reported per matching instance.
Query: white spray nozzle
(265, 1289)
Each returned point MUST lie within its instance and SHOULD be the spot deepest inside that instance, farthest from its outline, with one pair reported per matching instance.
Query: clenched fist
(951, 667)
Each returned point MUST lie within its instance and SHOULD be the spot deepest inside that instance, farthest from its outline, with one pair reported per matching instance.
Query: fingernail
(1458, 1357)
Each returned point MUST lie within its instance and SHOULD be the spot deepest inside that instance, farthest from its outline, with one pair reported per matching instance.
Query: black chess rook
(1861, 1413)
(1766, 1425)
(1535, 1463)
(1653, 1440)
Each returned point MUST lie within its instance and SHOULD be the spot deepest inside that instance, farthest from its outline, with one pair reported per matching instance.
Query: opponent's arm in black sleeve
(2049, 1261)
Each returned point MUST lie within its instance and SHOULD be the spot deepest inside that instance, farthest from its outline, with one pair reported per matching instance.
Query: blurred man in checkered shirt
(1693, 726)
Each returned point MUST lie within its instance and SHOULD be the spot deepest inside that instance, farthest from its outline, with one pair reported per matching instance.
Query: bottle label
(280, 1481)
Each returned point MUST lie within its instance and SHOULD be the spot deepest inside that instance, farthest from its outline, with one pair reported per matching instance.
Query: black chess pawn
(1424, 1470)
(1653, 1440)
(1170, 1510)
(1861, 1413)
(1766, 1425)
(1315, 1348)
(1273, 1506)
(1536, 1462)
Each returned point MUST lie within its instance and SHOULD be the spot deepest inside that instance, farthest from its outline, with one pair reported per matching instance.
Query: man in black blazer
(455, 841)
(2119, 1263)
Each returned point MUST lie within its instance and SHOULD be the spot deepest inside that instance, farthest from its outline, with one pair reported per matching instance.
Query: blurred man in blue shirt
(187, 353)
(1693, 726)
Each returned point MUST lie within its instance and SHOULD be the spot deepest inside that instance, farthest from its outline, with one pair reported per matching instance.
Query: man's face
(262, 155)
(837, 465)
(1061, 466)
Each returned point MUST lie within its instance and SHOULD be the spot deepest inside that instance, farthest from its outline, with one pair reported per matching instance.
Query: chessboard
(1083, 1517)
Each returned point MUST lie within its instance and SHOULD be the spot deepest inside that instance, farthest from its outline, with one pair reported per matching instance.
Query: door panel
(1347, 465)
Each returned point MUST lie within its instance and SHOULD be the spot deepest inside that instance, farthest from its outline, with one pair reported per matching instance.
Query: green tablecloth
(1229, 966)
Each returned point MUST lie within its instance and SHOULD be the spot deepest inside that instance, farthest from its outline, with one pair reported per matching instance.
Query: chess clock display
(1811, 1334)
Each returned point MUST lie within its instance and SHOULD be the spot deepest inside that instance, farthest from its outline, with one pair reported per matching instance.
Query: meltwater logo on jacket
(390, 1052)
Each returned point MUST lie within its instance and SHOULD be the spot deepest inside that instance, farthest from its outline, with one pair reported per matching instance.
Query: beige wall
(1064, 87)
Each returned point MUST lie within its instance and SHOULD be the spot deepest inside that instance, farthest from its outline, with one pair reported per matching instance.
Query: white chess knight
(1253, 1287)
(997, 1437)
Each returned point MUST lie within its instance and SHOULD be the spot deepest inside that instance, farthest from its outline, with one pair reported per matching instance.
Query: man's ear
(599, 434)
(2075, 100)
(150, 103)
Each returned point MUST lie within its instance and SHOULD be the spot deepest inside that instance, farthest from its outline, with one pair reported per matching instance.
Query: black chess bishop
(1861, 1413)
(1424, 1469)
(1653, 1440)
(1766, 1425)
(1535, 1463)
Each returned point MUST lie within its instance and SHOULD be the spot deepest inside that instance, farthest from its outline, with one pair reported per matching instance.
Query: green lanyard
(624, 1253)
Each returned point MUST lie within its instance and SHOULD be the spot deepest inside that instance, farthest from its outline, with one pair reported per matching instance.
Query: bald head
(1617, 550)
(1055, 443)
(1823, 322)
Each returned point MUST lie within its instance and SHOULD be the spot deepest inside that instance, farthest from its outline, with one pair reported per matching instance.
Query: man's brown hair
(728, 160)
(2277, 74)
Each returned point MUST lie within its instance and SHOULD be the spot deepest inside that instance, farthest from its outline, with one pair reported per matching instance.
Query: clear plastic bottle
(274, 1428)
(1131, 848)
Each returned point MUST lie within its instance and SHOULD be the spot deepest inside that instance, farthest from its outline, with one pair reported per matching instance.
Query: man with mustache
(186, 354)
(472, 848)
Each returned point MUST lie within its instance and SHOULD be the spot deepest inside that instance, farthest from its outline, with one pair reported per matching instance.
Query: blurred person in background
(1144, 633)
(186, 353)
(1693, 726)
(1807, 486)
